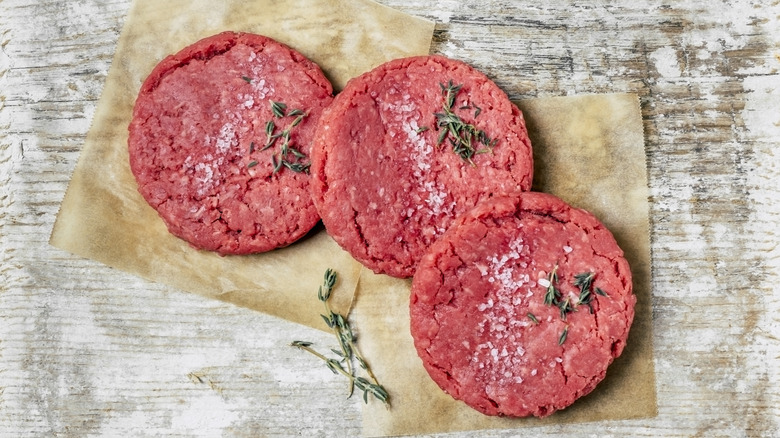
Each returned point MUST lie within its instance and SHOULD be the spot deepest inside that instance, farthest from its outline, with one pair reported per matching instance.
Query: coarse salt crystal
(543, 282)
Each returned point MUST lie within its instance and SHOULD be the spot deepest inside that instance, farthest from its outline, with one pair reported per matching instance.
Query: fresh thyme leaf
(296, 152)
(251, 147)
(297, 167)
(533, 318)
(563, 336)
(335, 366)
(599, 291)
(247, 79)
(348, 348)
(277, 108)
(301, 344)
(252, 164)
(277, 164)
(565, 307)
(584, 280)
(330, 278)
(421, 129)
(442, 136)
(553, 294)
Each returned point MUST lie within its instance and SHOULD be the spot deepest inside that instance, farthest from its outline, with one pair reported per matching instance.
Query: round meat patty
(520, 307)
(406, 148)
(220, 139)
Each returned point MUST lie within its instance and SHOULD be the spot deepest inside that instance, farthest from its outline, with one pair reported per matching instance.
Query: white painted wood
(86, 350)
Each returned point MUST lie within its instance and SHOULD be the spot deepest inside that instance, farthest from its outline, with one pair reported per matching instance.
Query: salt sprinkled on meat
(420, 154)
(499, 317)
(227, 138)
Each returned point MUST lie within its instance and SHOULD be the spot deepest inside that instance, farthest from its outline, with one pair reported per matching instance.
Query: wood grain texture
(86, 350)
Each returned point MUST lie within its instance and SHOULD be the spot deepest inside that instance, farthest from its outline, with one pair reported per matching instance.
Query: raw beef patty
(407, 147)
(520, 307)
(220, 139)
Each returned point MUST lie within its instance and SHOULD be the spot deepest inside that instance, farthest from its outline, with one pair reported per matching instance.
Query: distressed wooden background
(89, 351)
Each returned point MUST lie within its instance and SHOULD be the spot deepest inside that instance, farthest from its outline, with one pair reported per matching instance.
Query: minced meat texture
(485, 324)
(384, 184)
(197, 136)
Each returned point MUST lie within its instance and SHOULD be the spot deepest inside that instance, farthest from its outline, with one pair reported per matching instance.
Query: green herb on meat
(553, 294)
(533, 318)
(466, 140)
(277, 108)
(347, 351)
(566, 307)
(288, 156)
(585, 282)
(563, 336)
(554, 297)
(247, 79)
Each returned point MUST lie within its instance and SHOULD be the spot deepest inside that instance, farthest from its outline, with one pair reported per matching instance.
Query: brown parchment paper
(589, 151)
(105, 219)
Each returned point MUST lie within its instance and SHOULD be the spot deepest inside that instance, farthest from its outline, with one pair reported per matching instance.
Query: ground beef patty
(389, 175)
(520, 307)
(198, 138)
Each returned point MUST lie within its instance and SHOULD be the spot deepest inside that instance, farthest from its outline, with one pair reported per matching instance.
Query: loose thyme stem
(347, 341)
(336, 322)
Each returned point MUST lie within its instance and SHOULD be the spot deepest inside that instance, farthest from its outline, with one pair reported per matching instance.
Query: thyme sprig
(465, 138)
(553, 295)
(348, 350)
(288, 156)
(585, 282)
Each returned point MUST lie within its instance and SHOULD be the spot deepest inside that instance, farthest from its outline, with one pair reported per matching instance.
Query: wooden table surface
(89, 351)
